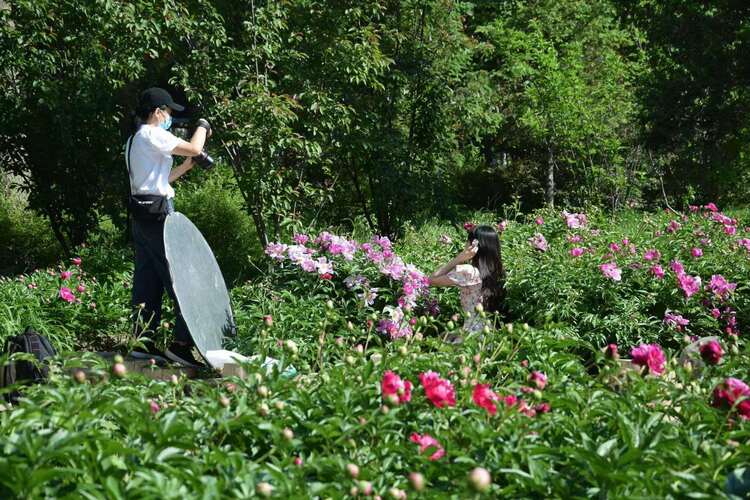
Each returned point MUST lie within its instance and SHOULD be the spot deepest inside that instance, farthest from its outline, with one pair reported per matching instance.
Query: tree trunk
(550, 194)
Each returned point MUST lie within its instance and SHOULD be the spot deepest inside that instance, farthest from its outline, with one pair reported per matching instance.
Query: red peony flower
(711, 352)
(394, 389)
(651, 356)
(484, 396)
(438, 390)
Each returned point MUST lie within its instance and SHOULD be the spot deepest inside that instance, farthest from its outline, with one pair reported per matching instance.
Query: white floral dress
(468, 279)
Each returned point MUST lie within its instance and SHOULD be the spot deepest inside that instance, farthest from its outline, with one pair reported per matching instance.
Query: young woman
(148, 155)
(478, 271)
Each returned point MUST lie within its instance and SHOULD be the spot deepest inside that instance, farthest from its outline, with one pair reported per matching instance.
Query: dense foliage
(531, 405)
(328, 111)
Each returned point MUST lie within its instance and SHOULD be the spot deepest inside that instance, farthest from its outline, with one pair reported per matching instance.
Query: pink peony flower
(577, 251)
(276, 251)
(675, 320)
(538, 378)
(720, 287)
(711, 352)
(539, 242)
(67, 295)
(690, 285)
(577, 238)
(729, 395)
(437, 390)
(730, 230)
(715, 313)
(510, 400)
(539, 221)
(652, 254)
(673, 226)
(657, 271)
(76, 261)
(502, 226)
(696, 252)
(542, 408)
(693, 208)
(65, 275)
(575, 221)
(425, 441)
(307, 265)
(301, 239)
(677, 267)
(745, 242)
(483, 396)
(650, 356)
(614, 247)
(711, 206)
(395, 390)
(81, 288)
(469, 226)
(611, 271)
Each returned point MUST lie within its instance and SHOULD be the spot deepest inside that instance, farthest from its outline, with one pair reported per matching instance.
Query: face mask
(167, 123)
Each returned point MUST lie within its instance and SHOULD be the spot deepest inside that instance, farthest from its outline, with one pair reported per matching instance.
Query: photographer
(149, 154)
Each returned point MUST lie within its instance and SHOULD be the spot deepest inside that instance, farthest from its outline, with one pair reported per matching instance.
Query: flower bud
(298, 461)
(509, 327)
(366, 488)
(287, 434)
(417, 481)
(450, 325)
(339, 341)
(479, 308)
(480, 479)
(119, 370)
(353, 470)
(477, 358)
(79, 376)
(350, 360)
(224, 401)
(525, 327)
(174, 379)
(263, 410)
(359, 348)
(376, 358)
(329, 304)
(291, 346)
(353, 491)
(384, 409)
(349, 326)
(262, 391)
(264, 489)
(118, 359)
(402, 350)
(279, 405)
(268, 320)
(396, 494)
(418, 336)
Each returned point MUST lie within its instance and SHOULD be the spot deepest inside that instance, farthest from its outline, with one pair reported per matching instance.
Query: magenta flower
(575, 221)
(153, 406)
(542, 408)
(652, 254)
(81, 287)
(696, 252)
(510, 400)
(502, 226)
(483, 396)
(730, 230)
(301, 239)
(65, 275)
(675, 320)
(577, 238)
(611, 271)
(469, 226)
(395, 390)
(439, 391)
(711, 352)
(650, 356)
(673, 226)
(539, 221)
(76, 261)
(67, 295)
(539, 379)
(425, 441)
(732, 394)
(745, 242)
(577, 251)
(677, 267)
(715, 313)
(614, 247)
(539, 242)
(657, 271)
(711, 206)
(690, 285)
(721, 287)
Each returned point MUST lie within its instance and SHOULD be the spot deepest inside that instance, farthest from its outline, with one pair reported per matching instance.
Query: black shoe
(183, 354)
(149, 351)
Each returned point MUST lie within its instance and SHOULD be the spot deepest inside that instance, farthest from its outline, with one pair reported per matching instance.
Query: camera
(204, 160)
(181, 128)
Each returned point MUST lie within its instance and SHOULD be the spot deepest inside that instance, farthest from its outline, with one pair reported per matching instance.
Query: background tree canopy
(382, 110)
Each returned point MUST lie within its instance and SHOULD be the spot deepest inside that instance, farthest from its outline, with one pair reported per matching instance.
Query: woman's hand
(468, 252)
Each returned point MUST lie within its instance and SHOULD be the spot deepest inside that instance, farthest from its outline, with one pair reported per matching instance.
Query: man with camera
(149, 154)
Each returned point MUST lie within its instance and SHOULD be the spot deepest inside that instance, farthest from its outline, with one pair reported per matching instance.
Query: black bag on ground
(25, 372)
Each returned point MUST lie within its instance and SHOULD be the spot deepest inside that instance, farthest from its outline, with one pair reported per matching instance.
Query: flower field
(583, 390)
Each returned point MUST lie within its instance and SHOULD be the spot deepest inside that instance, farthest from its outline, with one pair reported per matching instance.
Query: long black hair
(490, 264)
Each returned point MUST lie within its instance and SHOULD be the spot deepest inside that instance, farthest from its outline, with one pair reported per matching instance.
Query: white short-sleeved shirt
(151, 161)
(467, 277)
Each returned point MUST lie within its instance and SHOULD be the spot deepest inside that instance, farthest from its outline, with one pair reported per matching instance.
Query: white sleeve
(162, 140)
(465, 275)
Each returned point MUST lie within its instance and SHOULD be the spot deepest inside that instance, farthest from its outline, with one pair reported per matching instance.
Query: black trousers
(151, 279)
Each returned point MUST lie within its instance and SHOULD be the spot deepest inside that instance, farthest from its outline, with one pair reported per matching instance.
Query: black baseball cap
(156, 97)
